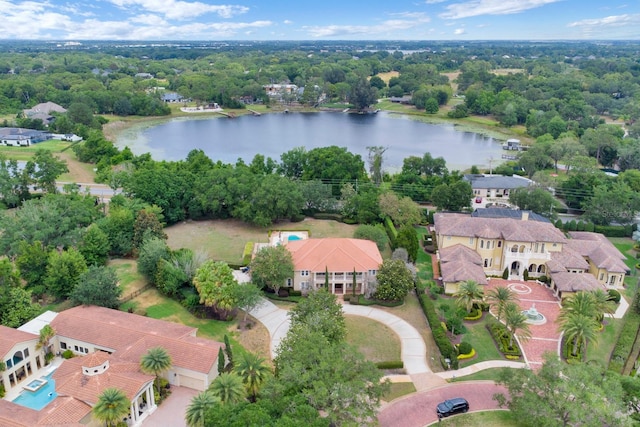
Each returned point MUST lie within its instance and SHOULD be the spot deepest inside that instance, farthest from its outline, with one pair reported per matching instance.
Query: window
(75, 347)
(304, 273)
(304, 286)
(288, 282)
(9, 363)
(535, 247)
(499, 243)
(482, 245)
(542, 249)
(471, 240)
(25, 352)
(486, 262)
(372, 272)
(601, 276)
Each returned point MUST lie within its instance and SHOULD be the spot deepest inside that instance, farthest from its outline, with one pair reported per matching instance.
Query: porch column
(132, 412)
(151, 398)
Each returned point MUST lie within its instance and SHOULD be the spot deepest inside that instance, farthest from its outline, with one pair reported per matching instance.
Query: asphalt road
(419, 409)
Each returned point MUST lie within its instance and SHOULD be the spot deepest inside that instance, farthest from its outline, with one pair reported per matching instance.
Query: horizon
(330, 20)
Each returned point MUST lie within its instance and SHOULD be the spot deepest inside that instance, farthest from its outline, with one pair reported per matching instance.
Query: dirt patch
(255, 339)
(388, 75)
(78, 171)
(507, 71)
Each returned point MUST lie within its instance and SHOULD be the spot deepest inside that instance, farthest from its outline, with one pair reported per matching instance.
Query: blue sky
(320, 19)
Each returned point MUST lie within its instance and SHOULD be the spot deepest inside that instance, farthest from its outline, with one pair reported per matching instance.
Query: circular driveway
(419, 409)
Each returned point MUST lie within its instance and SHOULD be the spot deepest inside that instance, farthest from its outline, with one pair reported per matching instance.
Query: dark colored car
(453, 406)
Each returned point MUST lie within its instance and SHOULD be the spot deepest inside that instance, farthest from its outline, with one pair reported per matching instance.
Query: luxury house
(473, 247)
(339, 258)
(108, 345)
(495, 186)
(43, 112)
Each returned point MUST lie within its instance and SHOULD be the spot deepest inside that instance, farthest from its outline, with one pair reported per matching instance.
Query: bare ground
(78, 171)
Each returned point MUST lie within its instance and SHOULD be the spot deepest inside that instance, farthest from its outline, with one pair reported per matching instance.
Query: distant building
(43, 112)
(493, 186)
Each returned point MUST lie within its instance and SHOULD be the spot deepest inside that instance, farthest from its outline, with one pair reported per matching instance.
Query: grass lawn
(398, 390)
(127, 271)
(224, 240)
(480, 419)
(479, 337)
(386, 345)
(25, 153)
(491, 374)
(601, 351)
(625, 245)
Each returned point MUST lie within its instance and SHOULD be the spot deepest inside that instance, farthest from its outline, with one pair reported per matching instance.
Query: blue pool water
(293, 238)
(38, 399)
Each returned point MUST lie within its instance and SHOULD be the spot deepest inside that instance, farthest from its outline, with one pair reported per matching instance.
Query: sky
(320, 20)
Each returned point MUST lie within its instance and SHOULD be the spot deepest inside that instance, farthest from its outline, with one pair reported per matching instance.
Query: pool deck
(44, 371)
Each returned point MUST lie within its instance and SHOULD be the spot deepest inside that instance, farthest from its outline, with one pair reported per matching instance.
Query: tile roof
(507, 213)
(334, 254)
(459, 263)
(131, 335)
(123, 375)
(462, 225)
(575, 282)
(567, 259)
(599, 250)
(497, 181)
(9, 337)
(63, 411)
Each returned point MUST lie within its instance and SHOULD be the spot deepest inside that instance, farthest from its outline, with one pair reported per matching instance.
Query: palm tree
(580, 303)
(500, 297)
(155, 362)
(46, 333)
(516, 323)
(579, 329)
(111, 407)
(469, 293)
(602, 303)
(252, 370)
(228, 388)
(197, 409)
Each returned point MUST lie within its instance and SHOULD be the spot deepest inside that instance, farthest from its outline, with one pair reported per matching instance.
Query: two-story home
(495, 186)
(108, 345)
(468, 244)
(335, 260)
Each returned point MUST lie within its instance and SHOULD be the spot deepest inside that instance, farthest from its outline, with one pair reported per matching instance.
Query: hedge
(246, 254)
(501, 337)
(391, 231)
(392, 364)
(325, 215)
(469, 355)
(627, 337)
(447, 350)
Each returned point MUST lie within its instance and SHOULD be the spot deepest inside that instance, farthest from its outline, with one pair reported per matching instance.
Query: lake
(273, 134)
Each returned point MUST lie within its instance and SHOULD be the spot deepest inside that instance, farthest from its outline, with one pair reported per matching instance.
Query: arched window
(486, 262)
(481, 244)
(514, 249)
(542, 269)
(521, 249)
(532, 268)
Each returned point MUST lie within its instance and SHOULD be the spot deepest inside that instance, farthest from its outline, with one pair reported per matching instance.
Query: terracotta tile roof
(459, 263)
(130, 336)
(9, 337)
(64, 411)
(599, 250)
(335, 254)
(462, 225)
(71, 381)
(575, 282)
(12, 415)
(567, 259)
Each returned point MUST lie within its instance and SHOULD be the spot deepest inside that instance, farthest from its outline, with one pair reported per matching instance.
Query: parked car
(453, 406)
(478, 199)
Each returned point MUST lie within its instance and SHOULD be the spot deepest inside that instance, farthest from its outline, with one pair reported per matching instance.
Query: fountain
(533, 316)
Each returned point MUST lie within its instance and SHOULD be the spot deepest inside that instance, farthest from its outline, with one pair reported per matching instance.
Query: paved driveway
(419, 409)
(171, 412)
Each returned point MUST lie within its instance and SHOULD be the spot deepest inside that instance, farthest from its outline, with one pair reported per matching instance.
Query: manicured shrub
(67, 354)
(246, 254)
(465, 347)
(447, 350)
(624, 345)
(614, 296)
(392, 364)
(525, 274)
(505, 273)
(391, 232)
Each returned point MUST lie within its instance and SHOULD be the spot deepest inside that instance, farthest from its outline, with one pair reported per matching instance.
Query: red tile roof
(334, 254)
(9, 337)
(459, 263)
(575, 282)
(599, 250)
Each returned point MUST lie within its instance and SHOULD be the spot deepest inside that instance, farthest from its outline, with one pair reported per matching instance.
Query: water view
(273, 134)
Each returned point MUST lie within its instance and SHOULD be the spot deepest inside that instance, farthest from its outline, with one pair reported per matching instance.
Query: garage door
(194, 383)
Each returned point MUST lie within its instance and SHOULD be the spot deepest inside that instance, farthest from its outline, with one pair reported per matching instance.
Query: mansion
(474, 247)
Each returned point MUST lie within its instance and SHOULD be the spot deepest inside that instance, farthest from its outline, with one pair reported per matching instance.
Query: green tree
(452, 197)
(469, 294)
(408, 238)
(394, 281)
(94, 245)
(228, 388)
(536, 199)
(45, 169)
(64, 269)
(375, 233)
(431, 106)
(9, 275)
(516, 323)
(293, 163)
(402, 211)
(217, 287)
(46, 334)
(97, 286)
(111, 407)
(118, 227)
(334, 165)
(271, 267)
(152, 251)
(248, 297)
(195, 415)
(147, 225)
(16, 307)
(615, 203)
(156, 361)
(254, 373)
(560, 395)
(499, 298)
(321, 311)
(362, 95)
(376, 157)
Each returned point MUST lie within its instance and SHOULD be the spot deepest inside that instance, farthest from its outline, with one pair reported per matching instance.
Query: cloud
(385, 27)
(458, 31)
(287, 22)
(624, 26)
(176, 9)
(491, 7)
(434, 1)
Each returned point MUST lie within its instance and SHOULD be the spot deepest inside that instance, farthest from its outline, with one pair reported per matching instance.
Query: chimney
(525, 215)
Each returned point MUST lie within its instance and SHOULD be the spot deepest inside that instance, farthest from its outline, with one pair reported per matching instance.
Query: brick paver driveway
(545, 337)
(419, 409)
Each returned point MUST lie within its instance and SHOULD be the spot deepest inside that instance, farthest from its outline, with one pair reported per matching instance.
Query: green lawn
(129, 278)
(480, 339)
(384, 348)
(601, 351)
(480, 419)
(425, 269)
(398, 390)
(25, 153)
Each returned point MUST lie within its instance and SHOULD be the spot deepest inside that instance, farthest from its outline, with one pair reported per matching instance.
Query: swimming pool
(293, 237)
(38, 399)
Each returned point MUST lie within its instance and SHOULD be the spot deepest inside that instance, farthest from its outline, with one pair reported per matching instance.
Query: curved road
(419, 409)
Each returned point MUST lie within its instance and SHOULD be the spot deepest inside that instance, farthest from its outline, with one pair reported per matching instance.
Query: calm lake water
(273, 134)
